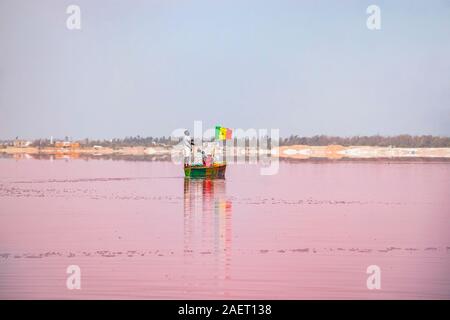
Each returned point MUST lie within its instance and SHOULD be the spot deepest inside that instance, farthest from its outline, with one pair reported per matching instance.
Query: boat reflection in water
(207, 225)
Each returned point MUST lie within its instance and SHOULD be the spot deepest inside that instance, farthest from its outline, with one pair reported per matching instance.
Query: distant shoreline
(294, 152)
(361, 152)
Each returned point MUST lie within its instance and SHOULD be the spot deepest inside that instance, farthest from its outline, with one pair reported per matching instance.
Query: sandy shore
(359, 152)
(140, 150)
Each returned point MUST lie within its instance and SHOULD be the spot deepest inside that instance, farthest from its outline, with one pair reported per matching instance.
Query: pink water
(138, 229)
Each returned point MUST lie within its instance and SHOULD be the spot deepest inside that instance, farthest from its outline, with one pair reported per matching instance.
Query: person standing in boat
(188, 143)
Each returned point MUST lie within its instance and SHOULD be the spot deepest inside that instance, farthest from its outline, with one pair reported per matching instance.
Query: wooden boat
(209, 168)
(217, 170)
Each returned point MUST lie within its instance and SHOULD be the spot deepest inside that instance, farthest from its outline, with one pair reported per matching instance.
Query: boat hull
(215, 171)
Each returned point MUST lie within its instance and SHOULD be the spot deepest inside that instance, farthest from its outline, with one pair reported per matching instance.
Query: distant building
(19, 143)
(66, 145)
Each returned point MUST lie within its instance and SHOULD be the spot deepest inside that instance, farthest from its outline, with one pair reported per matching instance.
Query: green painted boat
(217, 170)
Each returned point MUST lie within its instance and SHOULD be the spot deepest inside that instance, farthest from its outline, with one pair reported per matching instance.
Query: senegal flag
(223, 133)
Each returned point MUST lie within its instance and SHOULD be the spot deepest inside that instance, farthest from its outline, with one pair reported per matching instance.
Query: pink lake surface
(139, 230)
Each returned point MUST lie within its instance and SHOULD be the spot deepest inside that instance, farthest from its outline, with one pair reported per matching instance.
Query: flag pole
(224, 150)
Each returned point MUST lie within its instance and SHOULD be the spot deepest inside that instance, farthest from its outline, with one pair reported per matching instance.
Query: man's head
(186, 132)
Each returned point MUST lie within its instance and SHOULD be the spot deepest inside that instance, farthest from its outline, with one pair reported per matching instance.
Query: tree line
(402, 141)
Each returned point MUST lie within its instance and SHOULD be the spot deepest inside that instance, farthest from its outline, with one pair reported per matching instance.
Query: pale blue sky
(149, 67)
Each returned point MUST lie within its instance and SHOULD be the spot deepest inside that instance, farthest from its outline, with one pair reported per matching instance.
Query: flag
(223, 133)
(217, 132)
(229, 134)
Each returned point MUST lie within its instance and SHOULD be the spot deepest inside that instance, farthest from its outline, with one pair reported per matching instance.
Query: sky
(149, 67)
